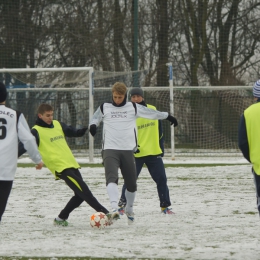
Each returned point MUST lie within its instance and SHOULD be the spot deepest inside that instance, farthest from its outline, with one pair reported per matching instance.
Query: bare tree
(103, 57)
(162, 38)
(221, 40)
(212, 42)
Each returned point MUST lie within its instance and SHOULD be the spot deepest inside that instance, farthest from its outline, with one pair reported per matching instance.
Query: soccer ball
(98, 220)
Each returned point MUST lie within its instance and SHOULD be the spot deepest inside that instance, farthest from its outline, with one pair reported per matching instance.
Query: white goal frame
(218, 126)
(90, 71)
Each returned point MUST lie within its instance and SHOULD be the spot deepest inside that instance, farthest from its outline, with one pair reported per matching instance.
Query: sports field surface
(215, 217)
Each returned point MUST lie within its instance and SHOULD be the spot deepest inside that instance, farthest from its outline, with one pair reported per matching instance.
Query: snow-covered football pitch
(215, 217)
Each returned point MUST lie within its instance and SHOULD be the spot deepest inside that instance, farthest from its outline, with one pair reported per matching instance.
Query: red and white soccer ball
(98, 220)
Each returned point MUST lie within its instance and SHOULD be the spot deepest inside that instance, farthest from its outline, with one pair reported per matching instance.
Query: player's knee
(132, 188)
(113, 180)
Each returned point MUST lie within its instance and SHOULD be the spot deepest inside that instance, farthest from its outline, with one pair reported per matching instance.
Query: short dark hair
(44, 108)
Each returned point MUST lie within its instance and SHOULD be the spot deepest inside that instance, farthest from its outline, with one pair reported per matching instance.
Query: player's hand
(93, 130)
(173, 120)
(39, 166)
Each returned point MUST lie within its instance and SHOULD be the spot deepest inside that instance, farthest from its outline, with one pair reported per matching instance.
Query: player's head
(119, 91)
(256, 89)
(45, 112)
(136, 94)
(3, 93)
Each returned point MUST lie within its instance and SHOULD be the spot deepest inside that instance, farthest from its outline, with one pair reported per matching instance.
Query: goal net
(208, 116)
(73, 92)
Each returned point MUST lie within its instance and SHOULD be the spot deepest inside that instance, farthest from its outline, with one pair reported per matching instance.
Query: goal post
(207, 117)
(170, 71)
(31, 82)
(73, 92)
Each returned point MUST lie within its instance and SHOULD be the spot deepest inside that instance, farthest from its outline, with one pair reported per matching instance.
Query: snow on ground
(216, 217)
(179, 159)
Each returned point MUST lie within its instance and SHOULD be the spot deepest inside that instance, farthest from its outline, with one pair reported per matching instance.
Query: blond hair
(120, 88)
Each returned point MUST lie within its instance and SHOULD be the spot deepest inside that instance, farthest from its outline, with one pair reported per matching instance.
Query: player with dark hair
(120, 142)
(50, 137)
(13, 126)
(248, 138)
(151, 142)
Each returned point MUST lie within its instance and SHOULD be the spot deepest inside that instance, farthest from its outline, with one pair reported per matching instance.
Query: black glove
(93, 130)
(82, 131)
(173, 120)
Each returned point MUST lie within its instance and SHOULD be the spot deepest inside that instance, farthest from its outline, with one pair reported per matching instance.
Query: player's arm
(149, 113)
(96, 119)
(71, 131)
(21, 149)
(28, 141)
(242, 138)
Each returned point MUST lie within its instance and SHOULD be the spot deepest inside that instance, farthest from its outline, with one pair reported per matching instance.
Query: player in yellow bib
(249, 140)
(54, 138)
(58, 158)
(151, 150)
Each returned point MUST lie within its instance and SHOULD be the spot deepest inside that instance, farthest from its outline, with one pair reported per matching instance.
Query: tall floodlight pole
(135, 54)
(171, 107)
(91, 112)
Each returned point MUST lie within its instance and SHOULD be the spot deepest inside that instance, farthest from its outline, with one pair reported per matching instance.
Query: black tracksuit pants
(74, 180)
(5, 190)
(257, 187)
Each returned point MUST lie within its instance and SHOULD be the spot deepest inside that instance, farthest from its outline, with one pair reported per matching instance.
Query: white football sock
(113, 194)
(130, 197)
